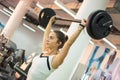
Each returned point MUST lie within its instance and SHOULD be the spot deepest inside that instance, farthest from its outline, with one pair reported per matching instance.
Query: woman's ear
(59, 43)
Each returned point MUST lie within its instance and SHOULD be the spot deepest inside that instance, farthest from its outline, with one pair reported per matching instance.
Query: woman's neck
(51, 51)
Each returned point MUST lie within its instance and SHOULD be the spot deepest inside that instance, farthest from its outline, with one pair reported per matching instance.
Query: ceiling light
(11, 9)
(63, 31)
(8, 11)
(91, 42)
(62, 6)
(28, 27)
(5, 12)
(39, 5)
(107, 41)
(41, 28)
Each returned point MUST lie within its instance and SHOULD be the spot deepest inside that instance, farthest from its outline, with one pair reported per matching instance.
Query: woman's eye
(51, 37)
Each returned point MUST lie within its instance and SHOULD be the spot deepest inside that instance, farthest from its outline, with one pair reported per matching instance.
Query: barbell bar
(70, 20)
(99, 22)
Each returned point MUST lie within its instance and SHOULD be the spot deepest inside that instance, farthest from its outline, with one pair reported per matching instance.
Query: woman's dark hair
(61, 38)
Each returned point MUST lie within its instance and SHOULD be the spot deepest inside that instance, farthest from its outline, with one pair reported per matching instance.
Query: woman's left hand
(52, 19)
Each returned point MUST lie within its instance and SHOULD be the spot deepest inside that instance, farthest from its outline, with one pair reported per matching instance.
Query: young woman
(51, 57)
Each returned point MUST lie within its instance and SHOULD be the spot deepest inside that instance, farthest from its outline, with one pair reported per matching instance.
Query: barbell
(99, 23)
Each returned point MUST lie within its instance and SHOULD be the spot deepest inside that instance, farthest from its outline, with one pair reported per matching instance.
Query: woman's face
(52, 41)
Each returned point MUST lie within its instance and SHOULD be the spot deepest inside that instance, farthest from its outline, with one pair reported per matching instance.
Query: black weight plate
(45, 15)
(89, 28)
(101, 25)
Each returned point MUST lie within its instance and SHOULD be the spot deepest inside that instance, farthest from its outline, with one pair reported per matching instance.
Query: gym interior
(95, 54)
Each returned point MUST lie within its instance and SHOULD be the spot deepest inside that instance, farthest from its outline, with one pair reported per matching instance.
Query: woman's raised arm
(59, 58)
(47, 31)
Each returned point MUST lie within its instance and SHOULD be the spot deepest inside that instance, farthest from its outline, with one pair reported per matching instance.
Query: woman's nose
(47, 39)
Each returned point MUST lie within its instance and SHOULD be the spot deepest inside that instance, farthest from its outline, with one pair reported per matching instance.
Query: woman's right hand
(83, 23)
